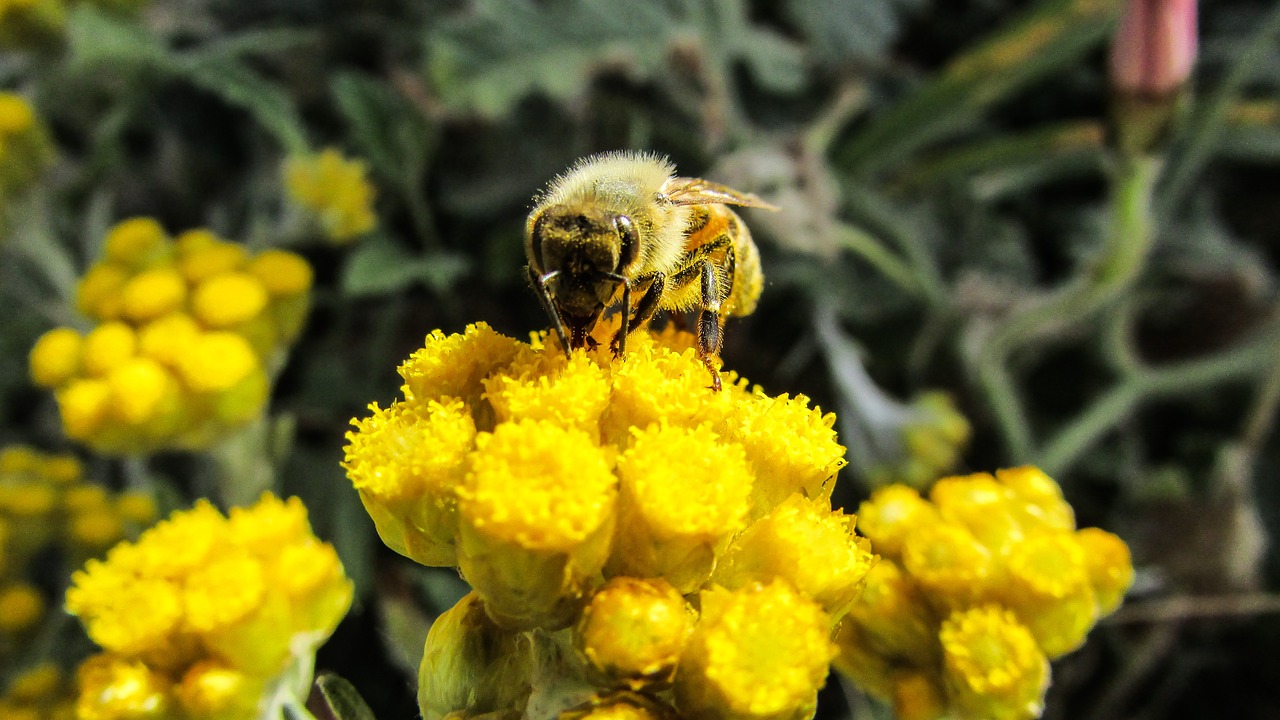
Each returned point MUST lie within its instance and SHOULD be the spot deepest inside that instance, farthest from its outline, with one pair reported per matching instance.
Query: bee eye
(630, 240)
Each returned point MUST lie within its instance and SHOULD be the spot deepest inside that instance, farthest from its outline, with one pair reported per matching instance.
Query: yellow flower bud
(992, 667)
(19, 460)
(894, 619)
(98, 293)
(16, 114)
(471, 665)
(190, 242)
(201, 259)
(106, 347)
(1046, 584)
(685, 492)
(62, 469)
(136, 507)
(167, 339)
(84, 498)
(453, 366)
(27, 500)
(791, 447)
(135, 241)
(228, 299)
(115, 688)
(212, 691)
(21, 607)
(95, 530)
(950, 565)
(83, 405)
(334, 188)
(142, 393)
(36, 683)
(1109, 567)
(153, 293)
(807, 544)
(574, 394)
(217, 361)
(55, 358)
(407, 461)
(986, 508)
(281, 272)
(535, 519)
(633, 631)
(1043, 497)
(892, 512)
(758, 652)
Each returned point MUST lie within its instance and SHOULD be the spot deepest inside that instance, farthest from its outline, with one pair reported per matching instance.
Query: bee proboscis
(623, 221)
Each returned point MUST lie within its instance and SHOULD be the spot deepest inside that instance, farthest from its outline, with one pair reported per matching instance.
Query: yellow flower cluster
(44, 502)
(336, 190)
(38, 692)
(188, 329)
(207, 616)
(931, 439)
(622, 525)
(977, 589)
(25, 148)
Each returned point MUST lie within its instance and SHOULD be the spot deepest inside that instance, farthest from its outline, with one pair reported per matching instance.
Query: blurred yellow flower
(978, 588)
(188, 331)
(203, 612)
(335, 189)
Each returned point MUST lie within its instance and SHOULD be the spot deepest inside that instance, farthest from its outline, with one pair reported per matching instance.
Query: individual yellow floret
(98, 293)
(200, 260)
(993, 669)
(143, 393)
(535, 513)
(168, 339)
(21, 607)
(217, 361)
(135, 241)
(1046, 583)
(570, 393)
(453, 366)
(808, 545)
(984, 507)
(950, 565)
(1109, 566)
(281, 272)
(685, 493)
(228, 299)
(759, 652)
(114, 688)
(633, 631)
(406, 461)
(335, 189)
(55, 358)
(83, 405)
(891, 514)
(106, 347)
(153, 293)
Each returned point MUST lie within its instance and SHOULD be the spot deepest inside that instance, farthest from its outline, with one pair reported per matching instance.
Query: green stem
(869, 248)
(1127, 245)
(1118, 403)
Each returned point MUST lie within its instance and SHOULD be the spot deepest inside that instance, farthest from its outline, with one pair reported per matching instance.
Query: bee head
(582, 241)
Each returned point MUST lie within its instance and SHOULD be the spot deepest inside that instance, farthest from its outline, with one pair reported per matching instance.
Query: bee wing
(696, 191)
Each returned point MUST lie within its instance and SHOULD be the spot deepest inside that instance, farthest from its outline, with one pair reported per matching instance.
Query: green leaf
(380, 266)
(342, 698)
(499, 51)
(96, 39)
(1051, 35)
(239, 85)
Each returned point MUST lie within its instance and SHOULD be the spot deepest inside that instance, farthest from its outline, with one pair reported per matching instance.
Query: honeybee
(622, 223)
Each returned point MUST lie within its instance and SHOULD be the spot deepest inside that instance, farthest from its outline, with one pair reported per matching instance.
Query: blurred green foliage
(945, 182)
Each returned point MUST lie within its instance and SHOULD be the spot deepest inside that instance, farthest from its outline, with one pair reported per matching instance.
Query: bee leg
(539, 282)
(644, 311)
(710, 323)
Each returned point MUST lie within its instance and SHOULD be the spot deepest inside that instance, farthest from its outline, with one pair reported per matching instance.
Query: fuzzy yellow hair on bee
(621, 231)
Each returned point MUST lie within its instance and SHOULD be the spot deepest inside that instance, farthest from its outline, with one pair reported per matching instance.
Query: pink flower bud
(1155, 46)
